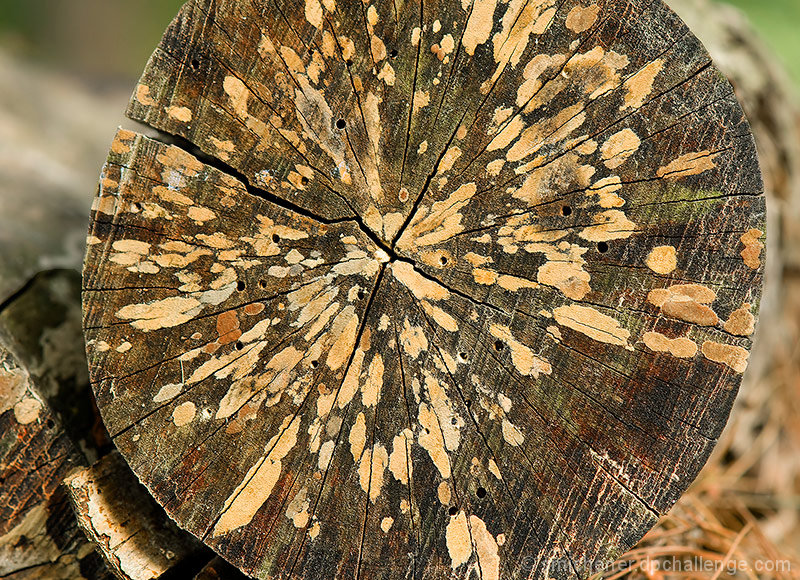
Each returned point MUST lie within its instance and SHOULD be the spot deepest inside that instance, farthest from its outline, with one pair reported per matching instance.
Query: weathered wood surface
(483, 305)
(39, 537)
(134, 536)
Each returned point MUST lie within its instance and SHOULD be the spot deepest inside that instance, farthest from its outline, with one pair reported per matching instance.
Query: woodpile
(322, 346)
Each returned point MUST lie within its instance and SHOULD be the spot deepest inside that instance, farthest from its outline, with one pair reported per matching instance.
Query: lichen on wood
(412, 289)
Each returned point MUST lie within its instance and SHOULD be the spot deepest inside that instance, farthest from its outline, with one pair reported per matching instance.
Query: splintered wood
(424, 289)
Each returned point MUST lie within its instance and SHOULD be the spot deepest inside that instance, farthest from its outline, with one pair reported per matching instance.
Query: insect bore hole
(239, 345)
(340, 124)
(498, 345)
(453, 510)
(262, 284)
(361, 294)
(462, 356)
(566, 210)
(195, 64)
(443, 260)
(393, 53)
(314, 364)
(240, 286)
(276, 238)
(50, 423)
(602, 247)
(481, 493)
(304, 180)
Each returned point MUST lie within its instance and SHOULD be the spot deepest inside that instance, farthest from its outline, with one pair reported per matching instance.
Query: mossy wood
(424, 289)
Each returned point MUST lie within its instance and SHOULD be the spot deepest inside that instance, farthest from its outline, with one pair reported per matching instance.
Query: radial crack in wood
(482, 305)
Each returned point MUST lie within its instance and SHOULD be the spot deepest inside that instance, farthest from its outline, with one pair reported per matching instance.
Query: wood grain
(424, 289)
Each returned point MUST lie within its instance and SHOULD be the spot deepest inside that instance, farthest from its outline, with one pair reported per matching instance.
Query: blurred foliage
(778, 22)
(106, 39)
(97, 39)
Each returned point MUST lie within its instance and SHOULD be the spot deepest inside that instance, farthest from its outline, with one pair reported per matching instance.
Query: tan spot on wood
(313, 13)
(201, 214)
(124, 347)
(619, 147)
(580, 19)
(358, 437)
(605, 189)
(677, 347)
(515, 283)
(143, 95)
(386, 524)
(662, 259)
(640, 85)
(399, 460)
(440, 317)
(27, 410)
(431, 440)
(592, 323)
(522, 357)
(421, 287)
(449, 158)
(372, 468)
(439, 223)
(372, 389)
(256, 487)
(512, 434)
(182, 114)
(751, 254)
(688, 164)
(387, 74)
(184, 414)
(479, 26)
(313, 531)
(484, 276)
(297, 510)
(686, 302)
(741, 322)
(343, 346)
(164, 313)
(458, 540)
(609, 225)
(494, 470)
(486, 548)
(443, 492)
(168, 392)
(733, 356)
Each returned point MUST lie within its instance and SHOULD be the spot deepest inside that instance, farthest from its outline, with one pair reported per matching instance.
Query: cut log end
(466, 288)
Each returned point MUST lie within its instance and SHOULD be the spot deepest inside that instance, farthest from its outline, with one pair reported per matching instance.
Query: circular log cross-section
(424, 289)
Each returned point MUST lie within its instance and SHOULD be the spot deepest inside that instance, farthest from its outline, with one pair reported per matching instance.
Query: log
(39, 538)
(411, 290)
(134, 536)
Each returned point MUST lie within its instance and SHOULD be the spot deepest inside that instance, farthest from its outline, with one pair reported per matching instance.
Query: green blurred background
(111, 39)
